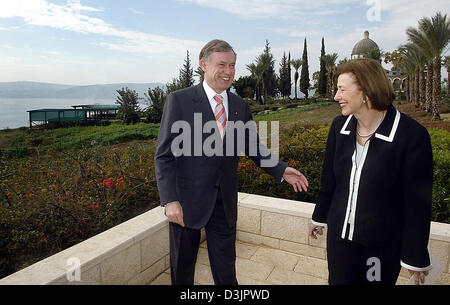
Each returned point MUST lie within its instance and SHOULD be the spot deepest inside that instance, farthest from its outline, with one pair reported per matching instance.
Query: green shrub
(49, 202)
(73, 138)
(303, 147)
(440, 140)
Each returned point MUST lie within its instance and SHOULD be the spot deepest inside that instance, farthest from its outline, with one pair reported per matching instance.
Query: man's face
(219, 70)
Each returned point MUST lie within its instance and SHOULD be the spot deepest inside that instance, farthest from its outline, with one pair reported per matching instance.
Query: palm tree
(447, 66)
(434, 38)
(263, 62)
(296, 63)
(257, 73)
(266, 61)
(406, 65)
(418, 38)
(418, 60)
(330, 65)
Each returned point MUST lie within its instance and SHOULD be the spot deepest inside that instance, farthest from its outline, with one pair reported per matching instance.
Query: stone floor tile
(312, 266)
(245, 280)
(202, 256)
(162, 279)
(286, 277)
(245, 250)
(276, 258)
(203, 275)
(252, 269)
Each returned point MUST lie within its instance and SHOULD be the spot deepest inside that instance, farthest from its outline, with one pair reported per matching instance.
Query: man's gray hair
(215, 45)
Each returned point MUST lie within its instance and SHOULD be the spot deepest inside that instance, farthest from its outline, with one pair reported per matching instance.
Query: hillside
(26, 89)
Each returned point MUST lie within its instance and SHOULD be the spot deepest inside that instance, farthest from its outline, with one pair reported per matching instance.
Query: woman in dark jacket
(375, 196)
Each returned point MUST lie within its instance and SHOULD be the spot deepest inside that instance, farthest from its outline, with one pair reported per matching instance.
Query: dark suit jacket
(393, 190)
(194, 179)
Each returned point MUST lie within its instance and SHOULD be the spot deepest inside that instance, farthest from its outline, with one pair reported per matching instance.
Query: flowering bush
(301, 147)
(51, 201)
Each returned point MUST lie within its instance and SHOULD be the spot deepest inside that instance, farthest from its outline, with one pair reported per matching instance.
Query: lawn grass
(15, 143)
(312, 113)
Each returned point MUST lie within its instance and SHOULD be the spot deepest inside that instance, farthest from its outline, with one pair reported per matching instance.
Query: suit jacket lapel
(232, 109)
(201, 104)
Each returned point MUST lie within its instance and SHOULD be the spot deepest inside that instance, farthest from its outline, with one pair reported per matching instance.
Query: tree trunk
(407, 89)
(416, 88)
(295, 82)
(331, 85)
(264, 92)
(436, 106)
(422, 87)
(429, 87)
(411, 88)
(448, 79)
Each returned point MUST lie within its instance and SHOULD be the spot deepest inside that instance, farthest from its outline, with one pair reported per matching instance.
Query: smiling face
(219, 70)
(349, 95)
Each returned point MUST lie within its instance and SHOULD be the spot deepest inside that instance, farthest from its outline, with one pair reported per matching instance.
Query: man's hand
(174, 212)
(296, 179)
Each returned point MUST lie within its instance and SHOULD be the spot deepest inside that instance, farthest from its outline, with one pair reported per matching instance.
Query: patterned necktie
(220, 114)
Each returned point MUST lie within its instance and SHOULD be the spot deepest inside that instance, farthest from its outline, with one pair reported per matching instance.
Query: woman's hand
(419, 276)
(314, 230)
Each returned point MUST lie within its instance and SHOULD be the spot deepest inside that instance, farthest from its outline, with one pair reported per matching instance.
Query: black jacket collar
(386, 131)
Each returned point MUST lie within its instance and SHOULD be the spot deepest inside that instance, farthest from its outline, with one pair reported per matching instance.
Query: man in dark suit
(196, 166)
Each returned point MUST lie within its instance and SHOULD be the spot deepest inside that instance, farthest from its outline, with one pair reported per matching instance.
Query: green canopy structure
(79, 113)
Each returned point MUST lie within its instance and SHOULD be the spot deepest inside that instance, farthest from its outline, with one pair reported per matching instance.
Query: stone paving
(260, 265)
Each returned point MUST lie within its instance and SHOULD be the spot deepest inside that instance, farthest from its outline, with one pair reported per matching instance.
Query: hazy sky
(84, 42)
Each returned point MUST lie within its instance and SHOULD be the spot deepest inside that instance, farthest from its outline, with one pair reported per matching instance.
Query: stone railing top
(439, 231)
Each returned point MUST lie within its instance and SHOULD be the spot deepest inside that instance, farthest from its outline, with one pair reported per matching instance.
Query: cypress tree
(284, 83)
(322, 86)
(187, 73)
(289, 73)
(269, 77)
(304, 76)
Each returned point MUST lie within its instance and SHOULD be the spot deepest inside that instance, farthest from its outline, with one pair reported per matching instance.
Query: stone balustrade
(137, 251)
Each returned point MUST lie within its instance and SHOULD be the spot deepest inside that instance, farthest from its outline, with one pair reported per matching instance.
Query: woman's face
(349, 96)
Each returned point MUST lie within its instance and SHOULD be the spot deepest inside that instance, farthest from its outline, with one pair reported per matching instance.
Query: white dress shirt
(210, 93)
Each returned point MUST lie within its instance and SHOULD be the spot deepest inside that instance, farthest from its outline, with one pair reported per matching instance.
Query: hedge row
(52, 200)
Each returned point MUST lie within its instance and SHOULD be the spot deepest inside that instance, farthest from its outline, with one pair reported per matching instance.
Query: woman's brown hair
(371, 79)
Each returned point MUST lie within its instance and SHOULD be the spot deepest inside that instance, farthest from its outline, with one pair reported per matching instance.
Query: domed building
(366, 46)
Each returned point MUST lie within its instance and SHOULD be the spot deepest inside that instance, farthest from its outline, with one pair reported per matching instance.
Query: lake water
(13, 111)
